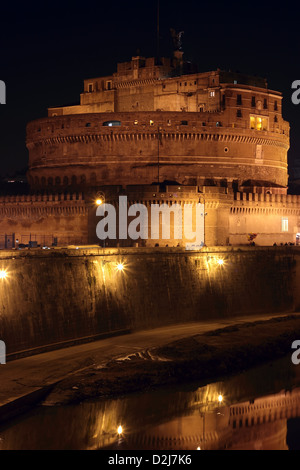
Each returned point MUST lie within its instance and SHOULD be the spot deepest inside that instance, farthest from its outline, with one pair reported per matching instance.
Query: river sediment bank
(202, 357)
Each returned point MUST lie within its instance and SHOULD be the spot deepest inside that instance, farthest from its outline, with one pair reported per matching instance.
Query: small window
(253, 103)
(111, 123)
(90, 87)
(151, 122)
(284, 224)
(211, 94)
(218, 124)
(265, 104)
(136, 122)
(88, 124)
(239, 100)
(259, 123)
(239, 113)
(184, 123)
(275, 119)
(275, 106)
(109, 85)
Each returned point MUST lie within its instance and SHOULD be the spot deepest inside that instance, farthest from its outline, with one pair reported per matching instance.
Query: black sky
(48, 49)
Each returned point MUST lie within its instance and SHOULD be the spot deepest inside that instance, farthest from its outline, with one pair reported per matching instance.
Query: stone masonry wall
(61, 295)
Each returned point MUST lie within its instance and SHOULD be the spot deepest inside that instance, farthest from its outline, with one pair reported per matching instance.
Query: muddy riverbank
(202, 357)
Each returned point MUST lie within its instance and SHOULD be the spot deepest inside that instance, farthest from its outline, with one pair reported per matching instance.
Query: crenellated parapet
(262, 203)
(38, 206)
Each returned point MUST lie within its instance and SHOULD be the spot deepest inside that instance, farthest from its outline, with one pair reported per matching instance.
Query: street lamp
(3, 274)
(100, 198)
(204, 215)
(98, 201)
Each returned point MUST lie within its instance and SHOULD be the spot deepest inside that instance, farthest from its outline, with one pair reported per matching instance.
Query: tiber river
(258, 409)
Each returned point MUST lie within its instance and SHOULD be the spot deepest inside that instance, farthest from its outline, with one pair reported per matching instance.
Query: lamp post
(202, 201)
(99, 200)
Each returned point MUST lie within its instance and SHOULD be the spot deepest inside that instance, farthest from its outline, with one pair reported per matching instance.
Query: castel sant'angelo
(159, 131)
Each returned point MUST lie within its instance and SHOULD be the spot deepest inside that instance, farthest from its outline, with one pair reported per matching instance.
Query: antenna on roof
(157, 32)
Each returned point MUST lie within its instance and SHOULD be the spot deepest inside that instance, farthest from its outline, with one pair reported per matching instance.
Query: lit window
(151, 122)
(111, 123)
(284, 224)
(259, 123)
(136, 122)
(211, 94)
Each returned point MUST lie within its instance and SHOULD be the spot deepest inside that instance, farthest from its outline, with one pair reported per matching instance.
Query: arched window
(57, 181)
(66, 181)
(50, 181)
(74, 180)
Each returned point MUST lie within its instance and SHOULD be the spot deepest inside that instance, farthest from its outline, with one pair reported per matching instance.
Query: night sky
(48, 49)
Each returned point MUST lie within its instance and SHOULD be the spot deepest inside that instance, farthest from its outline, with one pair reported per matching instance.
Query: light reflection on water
(254, 410)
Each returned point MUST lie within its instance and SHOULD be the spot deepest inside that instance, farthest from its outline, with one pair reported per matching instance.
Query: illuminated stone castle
(158, 131)
(202, 129)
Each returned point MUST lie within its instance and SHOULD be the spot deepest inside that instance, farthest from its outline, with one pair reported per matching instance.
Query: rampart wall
(58, 296)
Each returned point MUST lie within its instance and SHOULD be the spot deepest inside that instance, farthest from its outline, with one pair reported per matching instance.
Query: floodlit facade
(160, 131)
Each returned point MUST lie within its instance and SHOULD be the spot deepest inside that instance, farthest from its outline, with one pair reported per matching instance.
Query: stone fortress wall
(70, 218)
(145, 131)
(214, 125)
(51, 298)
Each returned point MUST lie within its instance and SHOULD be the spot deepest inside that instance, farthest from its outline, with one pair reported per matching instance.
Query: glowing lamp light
(120, 430)
(99, 202)
(220, 398)
(3, 274)
(120, 267)
(220, 262)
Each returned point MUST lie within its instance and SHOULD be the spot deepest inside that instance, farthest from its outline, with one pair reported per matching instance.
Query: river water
(258, 409)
